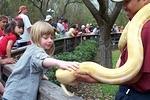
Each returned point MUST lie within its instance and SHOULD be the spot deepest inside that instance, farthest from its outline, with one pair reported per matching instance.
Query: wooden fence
(68, 44)
(61, 44)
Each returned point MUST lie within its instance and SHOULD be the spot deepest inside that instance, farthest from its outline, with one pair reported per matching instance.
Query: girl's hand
(69, 65)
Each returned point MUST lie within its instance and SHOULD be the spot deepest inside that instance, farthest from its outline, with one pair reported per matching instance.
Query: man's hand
(85, 78)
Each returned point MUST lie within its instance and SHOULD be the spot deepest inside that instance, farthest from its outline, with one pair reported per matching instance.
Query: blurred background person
(72, 32)
(25, 37)
(3, 22)
(49, 19)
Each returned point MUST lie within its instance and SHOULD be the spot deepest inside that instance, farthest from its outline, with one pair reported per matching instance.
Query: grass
(108, 91)
(115, 56)
(111, 89)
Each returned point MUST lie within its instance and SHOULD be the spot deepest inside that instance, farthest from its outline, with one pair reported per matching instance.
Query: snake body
(131, 37)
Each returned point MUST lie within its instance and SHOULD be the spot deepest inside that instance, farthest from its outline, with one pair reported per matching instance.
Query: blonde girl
(24, 81)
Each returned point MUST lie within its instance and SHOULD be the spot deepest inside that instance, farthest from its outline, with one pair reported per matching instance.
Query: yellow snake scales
(132, 37)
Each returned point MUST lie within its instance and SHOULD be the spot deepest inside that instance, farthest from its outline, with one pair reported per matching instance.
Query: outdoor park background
(74, 10)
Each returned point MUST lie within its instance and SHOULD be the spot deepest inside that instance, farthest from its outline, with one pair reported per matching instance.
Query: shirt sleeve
(146, 45)
(26, 21)
(37, 61)
(12, 37)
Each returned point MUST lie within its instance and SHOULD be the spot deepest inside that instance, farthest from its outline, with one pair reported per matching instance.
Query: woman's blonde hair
(39, 29)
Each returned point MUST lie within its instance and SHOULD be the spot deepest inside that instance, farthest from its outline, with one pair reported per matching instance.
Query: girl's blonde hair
(39, 29)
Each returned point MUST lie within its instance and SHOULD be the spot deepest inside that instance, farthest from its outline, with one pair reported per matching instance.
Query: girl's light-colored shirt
(24, 81)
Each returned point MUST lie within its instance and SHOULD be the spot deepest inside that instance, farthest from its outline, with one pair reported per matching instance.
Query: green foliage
(10, 8)
(111, 89)
(115, 56)
(122, 19)
(51, 75)
(83, 52)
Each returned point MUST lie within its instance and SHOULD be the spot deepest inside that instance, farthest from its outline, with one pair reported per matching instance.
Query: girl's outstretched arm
(51, 62)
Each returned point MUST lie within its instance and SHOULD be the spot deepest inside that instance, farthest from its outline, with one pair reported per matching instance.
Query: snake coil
(131, 37)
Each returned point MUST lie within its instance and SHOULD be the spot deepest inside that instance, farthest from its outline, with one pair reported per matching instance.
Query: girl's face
(46, 42)
(18, 30)
(3, 22)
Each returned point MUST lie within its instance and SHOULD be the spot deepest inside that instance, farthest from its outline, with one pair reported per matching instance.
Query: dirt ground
(90, 92)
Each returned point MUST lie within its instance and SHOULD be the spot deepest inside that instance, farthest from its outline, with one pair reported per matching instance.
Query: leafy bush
(83, 52)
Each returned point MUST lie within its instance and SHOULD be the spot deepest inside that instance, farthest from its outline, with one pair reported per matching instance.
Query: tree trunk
(104, 53)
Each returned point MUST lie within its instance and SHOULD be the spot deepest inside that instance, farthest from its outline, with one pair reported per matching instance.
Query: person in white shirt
(25, 37)
(60, 27)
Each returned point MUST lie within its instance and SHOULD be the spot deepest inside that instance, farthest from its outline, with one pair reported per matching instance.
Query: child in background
(24, 81)
(13, 31)
(3, 22)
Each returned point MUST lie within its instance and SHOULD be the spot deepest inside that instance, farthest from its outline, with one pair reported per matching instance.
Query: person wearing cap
(25, 37)
(138, 88)
(49, 19)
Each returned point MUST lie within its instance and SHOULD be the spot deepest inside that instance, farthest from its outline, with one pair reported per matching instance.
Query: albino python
(131, 37)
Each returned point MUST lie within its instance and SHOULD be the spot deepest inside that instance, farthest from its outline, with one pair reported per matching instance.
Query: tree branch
(67, 4)
(38, 5)
(113, 16)
(93, 10)
(103, 9)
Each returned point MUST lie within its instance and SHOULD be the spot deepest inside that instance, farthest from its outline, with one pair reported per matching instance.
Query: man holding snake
(137, 88)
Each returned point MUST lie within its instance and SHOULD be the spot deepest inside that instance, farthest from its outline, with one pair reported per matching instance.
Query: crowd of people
(64, 29)
(117, 29)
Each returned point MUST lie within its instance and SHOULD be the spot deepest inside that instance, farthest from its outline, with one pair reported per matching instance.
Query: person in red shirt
(14, 29)
(3, 22)
(137, 88)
